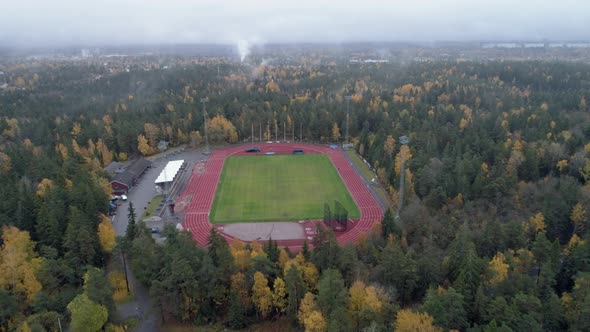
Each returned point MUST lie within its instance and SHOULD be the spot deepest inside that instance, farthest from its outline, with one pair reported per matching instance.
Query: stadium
(277, 191)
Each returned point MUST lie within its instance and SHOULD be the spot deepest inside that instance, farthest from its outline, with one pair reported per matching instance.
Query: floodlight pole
(404, 140)
(252, 132)
(347, 98)
(204, 101)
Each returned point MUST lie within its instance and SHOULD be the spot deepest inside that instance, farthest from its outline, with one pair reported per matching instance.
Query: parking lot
(142, 193)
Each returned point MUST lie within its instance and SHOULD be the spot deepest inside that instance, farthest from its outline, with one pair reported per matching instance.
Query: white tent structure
(169, 172)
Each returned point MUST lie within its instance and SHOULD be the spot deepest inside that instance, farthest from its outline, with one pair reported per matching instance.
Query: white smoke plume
(243, 49)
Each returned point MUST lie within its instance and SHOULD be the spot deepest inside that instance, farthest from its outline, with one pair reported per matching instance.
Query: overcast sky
(100, 22)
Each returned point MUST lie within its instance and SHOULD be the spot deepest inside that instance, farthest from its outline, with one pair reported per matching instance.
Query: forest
(493, 234)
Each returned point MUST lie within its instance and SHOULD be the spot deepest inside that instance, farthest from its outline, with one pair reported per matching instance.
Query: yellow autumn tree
(152, 132)
(498, 269)
(241, 255)
(19, 264)
(356, 302)
(578, 217)
(5, 163)
(142, 145)
(463, 124)
(573, 242)
(315, 322)
(374, 299)
(76, 147)
(272, 86)
(537, 223)
(360, 299)
(335, 132)
(310, 275)
(106, 234)
(279, 296)
(76, 130)
(307, 306)
(13, 128)
(107, 156)
(43, 187)
(117, 282)
(409, 321)
(261, 295)
(389, 146)
(62, 150)
(562, 165)
(221, 129)
(283, 258)
(91, 147)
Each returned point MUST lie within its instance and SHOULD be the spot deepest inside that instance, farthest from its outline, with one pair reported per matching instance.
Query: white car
(123, 197)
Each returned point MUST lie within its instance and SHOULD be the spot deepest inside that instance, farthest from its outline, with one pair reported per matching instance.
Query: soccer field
(278, 188)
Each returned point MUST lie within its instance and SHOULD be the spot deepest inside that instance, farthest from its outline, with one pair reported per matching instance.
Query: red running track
(201, 189)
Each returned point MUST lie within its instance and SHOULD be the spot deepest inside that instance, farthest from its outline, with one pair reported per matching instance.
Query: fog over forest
(69, 22)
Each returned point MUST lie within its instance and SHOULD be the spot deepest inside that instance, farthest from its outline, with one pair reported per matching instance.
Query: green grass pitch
(278, 188)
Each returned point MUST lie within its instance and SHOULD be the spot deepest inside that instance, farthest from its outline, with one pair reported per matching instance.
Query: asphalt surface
(141, 195)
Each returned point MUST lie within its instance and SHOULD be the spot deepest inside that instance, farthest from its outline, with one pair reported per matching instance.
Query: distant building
(126, 179)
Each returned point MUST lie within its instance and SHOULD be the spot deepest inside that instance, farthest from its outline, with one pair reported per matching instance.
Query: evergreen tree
(130, 232)
(236, 317)
(388, 225)
(331, 292)
(447, 308)
(295, 291)
(98, 289)
(305, 250)
(272, 250)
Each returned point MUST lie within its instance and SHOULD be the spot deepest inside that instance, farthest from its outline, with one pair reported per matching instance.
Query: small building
(124, 180)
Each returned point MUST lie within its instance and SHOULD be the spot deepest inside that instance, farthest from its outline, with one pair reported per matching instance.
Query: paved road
(140, 196)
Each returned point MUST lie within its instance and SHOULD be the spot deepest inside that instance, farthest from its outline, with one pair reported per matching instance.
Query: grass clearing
(278, 188)
(368, 175)
(151, 208)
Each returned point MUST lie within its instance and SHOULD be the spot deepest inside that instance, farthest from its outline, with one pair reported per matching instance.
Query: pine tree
(295, 290)
(388, 225)
(305, 250)
(130, 232)
(236, 317)
(272, 250)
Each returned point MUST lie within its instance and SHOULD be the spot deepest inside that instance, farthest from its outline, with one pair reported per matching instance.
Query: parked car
(155, 230)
